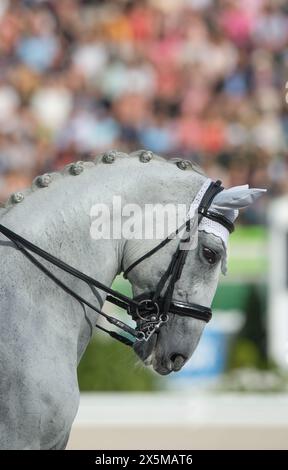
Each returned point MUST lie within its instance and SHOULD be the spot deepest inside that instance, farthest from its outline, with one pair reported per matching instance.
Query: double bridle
(150, 310)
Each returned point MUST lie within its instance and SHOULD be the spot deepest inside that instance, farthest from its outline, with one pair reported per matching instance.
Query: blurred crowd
(201, 79)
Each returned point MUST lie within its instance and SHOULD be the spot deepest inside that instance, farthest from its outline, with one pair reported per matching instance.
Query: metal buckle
(145, 333)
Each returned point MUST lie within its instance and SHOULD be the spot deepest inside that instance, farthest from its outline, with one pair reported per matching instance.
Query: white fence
(181, 421)
(278, 282)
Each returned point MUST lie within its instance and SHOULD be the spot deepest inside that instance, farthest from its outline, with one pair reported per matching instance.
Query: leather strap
(221, 219)
(191, 310)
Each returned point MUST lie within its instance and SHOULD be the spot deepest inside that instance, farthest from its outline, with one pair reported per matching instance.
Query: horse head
(171, 345)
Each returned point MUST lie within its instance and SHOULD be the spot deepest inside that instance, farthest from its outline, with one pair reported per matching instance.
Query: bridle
(152, 309)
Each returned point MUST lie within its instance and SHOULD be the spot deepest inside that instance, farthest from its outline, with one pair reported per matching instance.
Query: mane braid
(75, 168)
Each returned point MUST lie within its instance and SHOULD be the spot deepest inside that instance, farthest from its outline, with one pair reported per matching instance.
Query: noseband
(150, 310)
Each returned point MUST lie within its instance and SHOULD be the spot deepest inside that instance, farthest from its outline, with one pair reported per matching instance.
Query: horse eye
(209, 255)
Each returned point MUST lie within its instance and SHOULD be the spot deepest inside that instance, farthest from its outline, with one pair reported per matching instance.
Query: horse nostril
(178, 361)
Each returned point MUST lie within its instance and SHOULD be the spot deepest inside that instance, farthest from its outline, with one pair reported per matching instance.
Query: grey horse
(44, 332)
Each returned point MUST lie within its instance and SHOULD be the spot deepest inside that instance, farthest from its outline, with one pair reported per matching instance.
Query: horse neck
(57, 218)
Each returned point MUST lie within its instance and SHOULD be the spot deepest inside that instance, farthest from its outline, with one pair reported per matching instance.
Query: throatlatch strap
(155, 249)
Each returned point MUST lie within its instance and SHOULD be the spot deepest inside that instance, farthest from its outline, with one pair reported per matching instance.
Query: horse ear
(237, 197)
